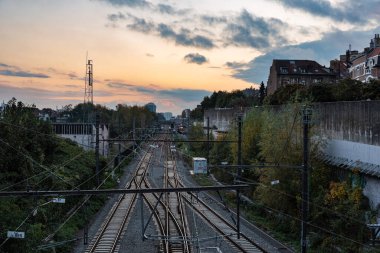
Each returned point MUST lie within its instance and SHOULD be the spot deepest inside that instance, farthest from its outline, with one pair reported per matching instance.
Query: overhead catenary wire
(24, 180)
(53, 135)
(37, 163)
(249, 181)
(315, 226)
(87, 198)
(310, 224)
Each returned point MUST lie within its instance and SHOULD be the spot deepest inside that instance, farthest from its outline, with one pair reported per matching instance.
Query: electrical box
(200, 165)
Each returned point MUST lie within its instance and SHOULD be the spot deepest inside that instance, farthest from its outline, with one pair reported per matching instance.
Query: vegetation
(224, 99)
(338, 209)
(345, 90)
(32, 157)
(121, 121)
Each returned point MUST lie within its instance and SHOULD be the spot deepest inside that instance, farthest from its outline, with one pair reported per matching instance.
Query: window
(284, 70)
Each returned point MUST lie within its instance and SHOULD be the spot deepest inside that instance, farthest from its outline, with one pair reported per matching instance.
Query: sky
(172, 53)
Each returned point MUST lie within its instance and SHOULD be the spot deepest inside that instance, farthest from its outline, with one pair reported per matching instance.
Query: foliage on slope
(33, 158)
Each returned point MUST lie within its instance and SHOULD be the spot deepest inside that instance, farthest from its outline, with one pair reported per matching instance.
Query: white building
(167, 115)
(84, 135)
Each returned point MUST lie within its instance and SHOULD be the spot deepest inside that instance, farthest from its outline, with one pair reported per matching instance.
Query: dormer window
(284, 70)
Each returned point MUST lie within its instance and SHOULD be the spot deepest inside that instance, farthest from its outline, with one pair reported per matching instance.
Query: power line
(315, 226)
(249, 181)
(87, 198)
(26, 179)
(35, 162)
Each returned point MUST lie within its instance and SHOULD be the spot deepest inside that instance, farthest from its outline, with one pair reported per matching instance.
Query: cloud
(119, 85)
(71, 86)
(195, 58)
(22, 74)
(239, 30)
(236, 65)
(166, 9)
(149, 55)
(184, 37)
(348, 12)
(329, 47)
(128, 3)
(116, 17)
(170, 10)
(187, 95)
(141, 25)
(248, 30)
(5, 65)
(213, 20)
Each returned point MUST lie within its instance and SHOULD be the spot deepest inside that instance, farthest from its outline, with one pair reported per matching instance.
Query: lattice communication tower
(88, 91)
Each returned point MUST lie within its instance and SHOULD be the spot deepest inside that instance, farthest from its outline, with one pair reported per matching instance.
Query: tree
(262, 93)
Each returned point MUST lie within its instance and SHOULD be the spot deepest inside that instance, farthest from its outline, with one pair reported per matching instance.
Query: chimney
(376, 41)
(348, 60)
(372, 44)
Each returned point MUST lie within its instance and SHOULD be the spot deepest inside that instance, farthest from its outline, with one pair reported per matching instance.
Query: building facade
(366, 65)
(151, 107)
(84, 135)
(306, 72)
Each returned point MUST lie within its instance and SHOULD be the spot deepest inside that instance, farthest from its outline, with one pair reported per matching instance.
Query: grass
(203, 180)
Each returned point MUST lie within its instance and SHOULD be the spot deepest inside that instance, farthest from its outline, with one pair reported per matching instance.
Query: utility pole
(306, 117)
(208, 144)
(97, 119)
(134, 132)
(238, 176)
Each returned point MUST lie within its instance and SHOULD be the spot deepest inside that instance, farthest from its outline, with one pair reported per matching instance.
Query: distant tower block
(88, 92)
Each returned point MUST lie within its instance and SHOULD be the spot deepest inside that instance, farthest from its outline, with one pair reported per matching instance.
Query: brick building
(366, 65)
(306, 72)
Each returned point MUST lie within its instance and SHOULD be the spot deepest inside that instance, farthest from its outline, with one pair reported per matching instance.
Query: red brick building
(306, 72)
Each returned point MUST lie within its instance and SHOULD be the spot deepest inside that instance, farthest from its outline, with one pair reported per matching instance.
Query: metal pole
(306, 113)
(208, 144)
(134, 132)
(85, 230)
(118, 155)
(238, 176)
(142, 216)
(97, 119)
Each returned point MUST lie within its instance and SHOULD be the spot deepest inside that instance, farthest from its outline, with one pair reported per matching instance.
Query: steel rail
(181, 207)
(132, 183)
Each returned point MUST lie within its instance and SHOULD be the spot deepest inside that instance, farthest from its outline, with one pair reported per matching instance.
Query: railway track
(168, 211)
(226, 229)
(108, 236)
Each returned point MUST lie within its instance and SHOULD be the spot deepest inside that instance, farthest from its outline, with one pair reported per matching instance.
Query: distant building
(151, 107)
(306, 72)
(84, 135)
(167, 115)
(186, 113)
(366, 65)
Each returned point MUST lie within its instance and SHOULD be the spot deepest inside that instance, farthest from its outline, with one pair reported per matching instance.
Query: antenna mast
(88, 92)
